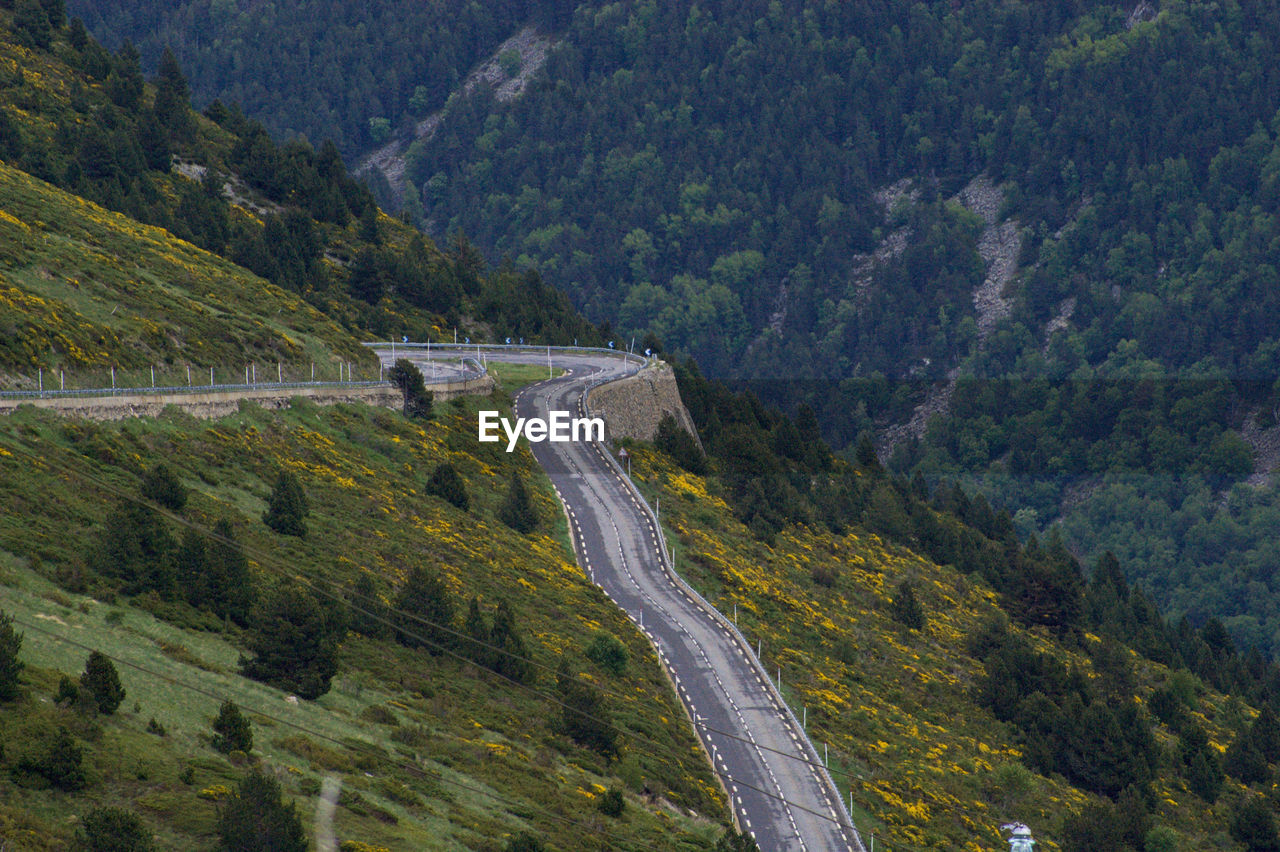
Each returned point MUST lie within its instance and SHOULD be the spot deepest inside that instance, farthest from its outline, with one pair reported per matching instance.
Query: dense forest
(1136, 153)
(90, 123)
(345, 72)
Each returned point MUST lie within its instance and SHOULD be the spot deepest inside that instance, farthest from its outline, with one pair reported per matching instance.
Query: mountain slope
(458, 757)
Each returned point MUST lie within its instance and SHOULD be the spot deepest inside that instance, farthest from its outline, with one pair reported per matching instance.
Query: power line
(653, 749)
(267, 561)
(358, 745)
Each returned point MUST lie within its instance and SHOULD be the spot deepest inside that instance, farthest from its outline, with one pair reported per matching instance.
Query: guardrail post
(40, 379)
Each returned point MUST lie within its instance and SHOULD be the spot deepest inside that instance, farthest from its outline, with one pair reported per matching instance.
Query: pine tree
(584, 715)
(31, 24)
(446, 484)
(510, 654)
(517, 510)
(406, 376)
(162, 486)
(114, 830)
(136, 547)
(905, 608)
(673, 440)
(292, 645)
(369, 616)
(228, 585)
(256, 818)
(10, 665)
(172, 94)
(231, 730)
(426, 596)
(287, 506)
(59, 762)
(101, 680)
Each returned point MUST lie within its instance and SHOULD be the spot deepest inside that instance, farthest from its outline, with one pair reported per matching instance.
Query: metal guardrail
(668, 567)
(507, 347)
(471, 373)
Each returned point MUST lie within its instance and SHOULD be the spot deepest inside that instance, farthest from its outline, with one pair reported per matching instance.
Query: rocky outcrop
(222, 403)
(532, 48)
(633, 407)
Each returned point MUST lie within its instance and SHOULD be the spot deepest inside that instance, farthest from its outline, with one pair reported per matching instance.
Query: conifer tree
(256, 818)
(292, 644)
(101, 680)
(162, 486)
(231, 730)
(10, 665)
(517, 510)
(446, 484)
(425, 595)
(906, 608)
(114, 830)
(228, 588)
(59, 761)
(172, 93)
(31, 24)
(369, 615)
(406, 376)
(287, 506)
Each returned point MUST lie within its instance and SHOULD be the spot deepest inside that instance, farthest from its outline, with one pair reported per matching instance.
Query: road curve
(779, 793)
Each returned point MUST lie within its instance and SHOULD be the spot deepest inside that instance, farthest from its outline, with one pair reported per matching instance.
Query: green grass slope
(83, 287)
(433, 752)
(928, 766)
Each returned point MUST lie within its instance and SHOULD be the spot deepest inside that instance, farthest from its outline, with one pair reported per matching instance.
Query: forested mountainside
(204, 622)
(942, 659)
(84, 120)
(1072, 204)
(346, 72)
(961, 676)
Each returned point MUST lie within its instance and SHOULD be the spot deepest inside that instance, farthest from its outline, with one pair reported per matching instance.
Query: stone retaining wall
(633, 407)
(221, 403)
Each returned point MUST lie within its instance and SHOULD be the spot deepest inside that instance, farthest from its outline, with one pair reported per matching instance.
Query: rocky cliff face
(633, 407)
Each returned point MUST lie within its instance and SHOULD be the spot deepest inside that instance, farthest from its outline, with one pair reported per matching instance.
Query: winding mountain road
(780, 793)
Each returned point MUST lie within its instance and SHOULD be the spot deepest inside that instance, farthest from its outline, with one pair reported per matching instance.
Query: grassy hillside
(434, 752)
(929, 766)
(83, 287)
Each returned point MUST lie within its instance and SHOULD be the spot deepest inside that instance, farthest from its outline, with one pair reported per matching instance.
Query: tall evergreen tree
(446, 484)
(256, 817)
(517, 510)
(101, 680)
(172, 101)
(287, 506)
(406, 376)
(10, 665)
(228, 588)
(231, 730)
(162, 486)
(426, 596)
(136, 547)
(292, 644)
(31, 24)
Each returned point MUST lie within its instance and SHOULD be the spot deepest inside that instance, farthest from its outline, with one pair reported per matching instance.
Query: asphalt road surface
(779, 793)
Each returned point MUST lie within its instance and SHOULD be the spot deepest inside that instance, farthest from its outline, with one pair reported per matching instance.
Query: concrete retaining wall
(633, 407)
(220, 403)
